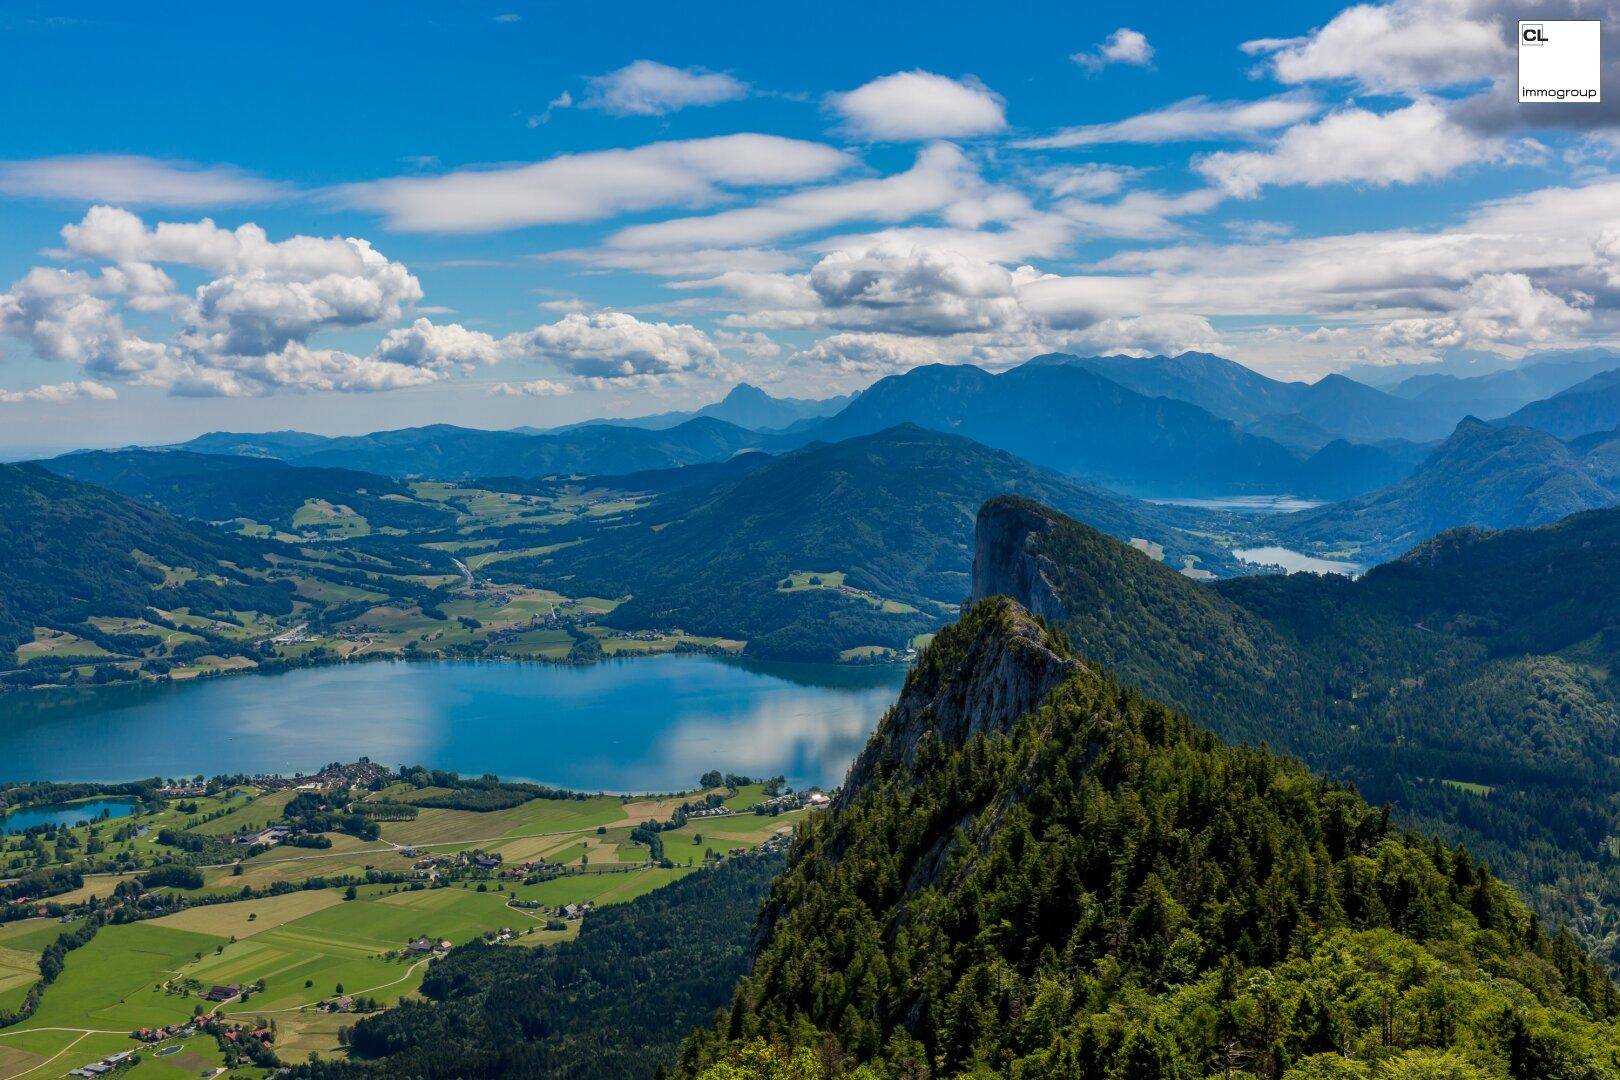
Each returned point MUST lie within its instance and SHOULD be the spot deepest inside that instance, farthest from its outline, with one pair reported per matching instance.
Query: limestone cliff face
(1004, 560)
(980, 675)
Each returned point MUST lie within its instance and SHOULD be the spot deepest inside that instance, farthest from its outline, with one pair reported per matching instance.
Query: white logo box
(1560, 61)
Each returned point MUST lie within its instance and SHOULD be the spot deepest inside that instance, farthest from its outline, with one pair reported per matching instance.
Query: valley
(224, 920)
(1428, 623)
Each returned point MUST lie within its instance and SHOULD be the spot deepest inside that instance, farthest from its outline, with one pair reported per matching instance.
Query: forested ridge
(216, 487)
(1469, 683)
(1100, 888)
(75, 550)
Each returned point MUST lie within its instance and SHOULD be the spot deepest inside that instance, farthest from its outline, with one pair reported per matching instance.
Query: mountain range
(1500, 393)
(836, 546)
(1074, 421)
(447, 452)
(1592, 405)
(745, 405)
(1309, 415)
(1493, 476)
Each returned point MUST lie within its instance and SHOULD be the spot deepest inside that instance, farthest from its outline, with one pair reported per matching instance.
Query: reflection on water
(626, 725)
(1293, 561)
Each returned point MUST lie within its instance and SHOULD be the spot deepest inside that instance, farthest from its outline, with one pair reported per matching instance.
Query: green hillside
(1469, 684)
(859, 543)
(215, 487)
(1496, 477)
(1096, 887)
(73, 551)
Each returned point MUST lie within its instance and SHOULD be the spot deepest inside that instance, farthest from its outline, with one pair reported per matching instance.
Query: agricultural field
(290, 944)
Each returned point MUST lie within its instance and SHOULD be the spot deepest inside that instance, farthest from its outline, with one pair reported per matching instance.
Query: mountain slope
(446, 452)
(1496, 477)
(881, 522)
(1221, 386)
(1309, 414)
(1502, 392)
(73, 551)
(1077, 422)
(1096, 887)
(217, 487)
(1477, 659)
(1593, 405)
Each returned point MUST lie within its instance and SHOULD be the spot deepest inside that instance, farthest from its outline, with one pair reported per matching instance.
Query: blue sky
(516, 214)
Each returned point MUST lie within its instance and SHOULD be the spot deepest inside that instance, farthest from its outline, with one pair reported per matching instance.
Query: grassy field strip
(35, 1068)
(396, 847)
(366, 991)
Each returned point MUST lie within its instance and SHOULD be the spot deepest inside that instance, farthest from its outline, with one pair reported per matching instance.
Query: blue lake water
(76, 813)
(1293, 561)
(651, 724)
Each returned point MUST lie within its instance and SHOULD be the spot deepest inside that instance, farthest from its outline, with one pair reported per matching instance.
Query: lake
(1291, 561)
(1246, 504)
(76, 813)
(650, 724)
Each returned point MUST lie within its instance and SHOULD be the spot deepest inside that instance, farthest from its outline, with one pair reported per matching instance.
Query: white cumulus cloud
(912, 105)
(532, 388)
(1404, 146)
(648, 88)
(426, 345)
(1123, 46)
(614, 346)
(866, 354)
(1403, 46)
(915, 290)
(58, 392)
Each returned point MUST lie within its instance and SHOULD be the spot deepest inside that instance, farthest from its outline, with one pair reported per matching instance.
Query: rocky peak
(1004, 560)
(979, 676)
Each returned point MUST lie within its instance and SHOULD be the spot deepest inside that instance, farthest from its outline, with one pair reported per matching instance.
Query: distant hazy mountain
(220, 487)
(1463, 363)
(444, 451)
(1307, 415)
(887, 515)
(1342, 468)
(266, 444)
(1593, 405)
(1223, 387)
(1496, 477)
(1067, 418)
(1503, 392)
(745, 405)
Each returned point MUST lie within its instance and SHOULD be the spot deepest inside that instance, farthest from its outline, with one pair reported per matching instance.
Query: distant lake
(1246, 504)
(650, 724)
(1292, 561)
(76, 813)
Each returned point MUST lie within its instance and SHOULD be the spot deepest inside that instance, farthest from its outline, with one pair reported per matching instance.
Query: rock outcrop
(979, 676)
